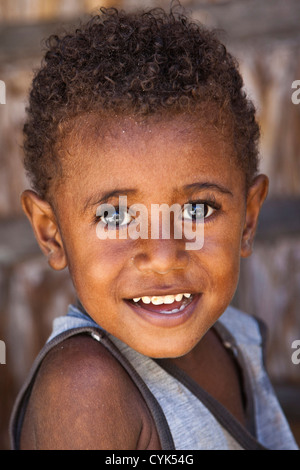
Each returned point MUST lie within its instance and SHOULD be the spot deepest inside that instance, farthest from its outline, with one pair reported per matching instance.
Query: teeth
(168, 299)
(159, 300)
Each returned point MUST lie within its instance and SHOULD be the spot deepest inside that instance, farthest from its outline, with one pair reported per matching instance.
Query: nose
(161, 256)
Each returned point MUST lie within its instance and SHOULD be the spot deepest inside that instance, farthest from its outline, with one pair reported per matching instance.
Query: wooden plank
(242, 21)
(250, 20)
(279, 218)
(17, 241)
(289, 398)
(26, 40)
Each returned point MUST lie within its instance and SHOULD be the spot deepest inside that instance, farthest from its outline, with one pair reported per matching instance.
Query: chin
(165, 351)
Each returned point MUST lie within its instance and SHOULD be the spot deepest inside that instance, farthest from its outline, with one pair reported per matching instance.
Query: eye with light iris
(196, 211)
(118, 218)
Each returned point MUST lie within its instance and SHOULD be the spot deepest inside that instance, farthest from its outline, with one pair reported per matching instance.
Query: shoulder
(84, 399)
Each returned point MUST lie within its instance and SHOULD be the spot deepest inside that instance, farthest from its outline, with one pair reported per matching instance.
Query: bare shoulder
(84, 399)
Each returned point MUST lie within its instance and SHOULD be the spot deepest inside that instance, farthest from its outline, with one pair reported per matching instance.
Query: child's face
(152, 163)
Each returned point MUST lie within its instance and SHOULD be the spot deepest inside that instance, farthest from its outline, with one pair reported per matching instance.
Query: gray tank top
(185, 415)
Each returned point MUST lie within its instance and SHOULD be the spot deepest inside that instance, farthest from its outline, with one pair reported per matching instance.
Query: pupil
(200, 211)
(114, 218)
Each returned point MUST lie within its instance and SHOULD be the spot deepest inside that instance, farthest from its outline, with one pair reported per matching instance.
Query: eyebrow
(199, 186)
(103, 197)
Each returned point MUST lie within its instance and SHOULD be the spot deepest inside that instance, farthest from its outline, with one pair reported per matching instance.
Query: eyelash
(209, 202)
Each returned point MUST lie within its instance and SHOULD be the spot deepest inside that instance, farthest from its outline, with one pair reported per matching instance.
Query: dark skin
(158, 160)
(67, 410)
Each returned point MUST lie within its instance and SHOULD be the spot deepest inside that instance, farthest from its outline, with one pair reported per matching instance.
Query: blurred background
(265, 37)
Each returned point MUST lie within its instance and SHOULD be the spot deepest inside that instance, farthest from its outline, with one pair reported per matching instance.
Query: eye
(117, 218)
(196, 211)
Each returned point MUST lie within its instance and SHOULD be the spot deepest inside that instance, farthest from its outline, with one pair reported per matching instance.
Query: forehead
(155, 153)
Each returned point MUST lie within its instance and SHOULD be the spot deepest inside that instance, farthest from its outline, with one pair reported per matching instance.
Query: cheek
(96, 266)
(221, 255)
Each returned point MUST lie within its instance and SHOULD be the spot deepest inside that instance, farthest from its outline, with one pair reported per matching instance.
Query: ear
(45, 227)
(256, 195)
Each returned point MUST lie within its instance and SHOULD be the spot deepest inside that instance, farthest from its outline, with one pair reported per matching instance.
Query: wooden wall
(265, 36)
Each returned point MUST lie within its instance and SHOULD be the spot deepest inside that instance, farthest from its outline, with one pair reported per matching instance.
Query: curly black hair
(138, 63)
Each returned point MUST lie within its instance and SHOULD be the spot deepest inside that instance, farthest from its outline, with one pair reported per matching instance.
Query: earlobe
(45, 227)
(256, 195)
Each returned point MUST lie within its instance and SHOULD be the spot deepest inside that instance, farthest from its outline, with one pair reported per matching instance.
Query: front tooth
(169, 299)
(157, 300)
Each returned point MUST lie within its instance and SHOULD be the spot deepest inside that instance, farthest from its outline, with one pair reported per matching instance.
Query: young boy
(146, 108)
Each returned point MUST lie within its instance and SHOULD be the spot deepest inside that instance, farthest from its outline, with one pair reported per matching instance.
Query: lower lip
(166, 320)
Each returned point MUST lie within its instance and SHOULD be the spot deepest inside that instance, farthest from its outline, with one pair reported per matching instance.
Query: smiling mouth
(165, 305)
